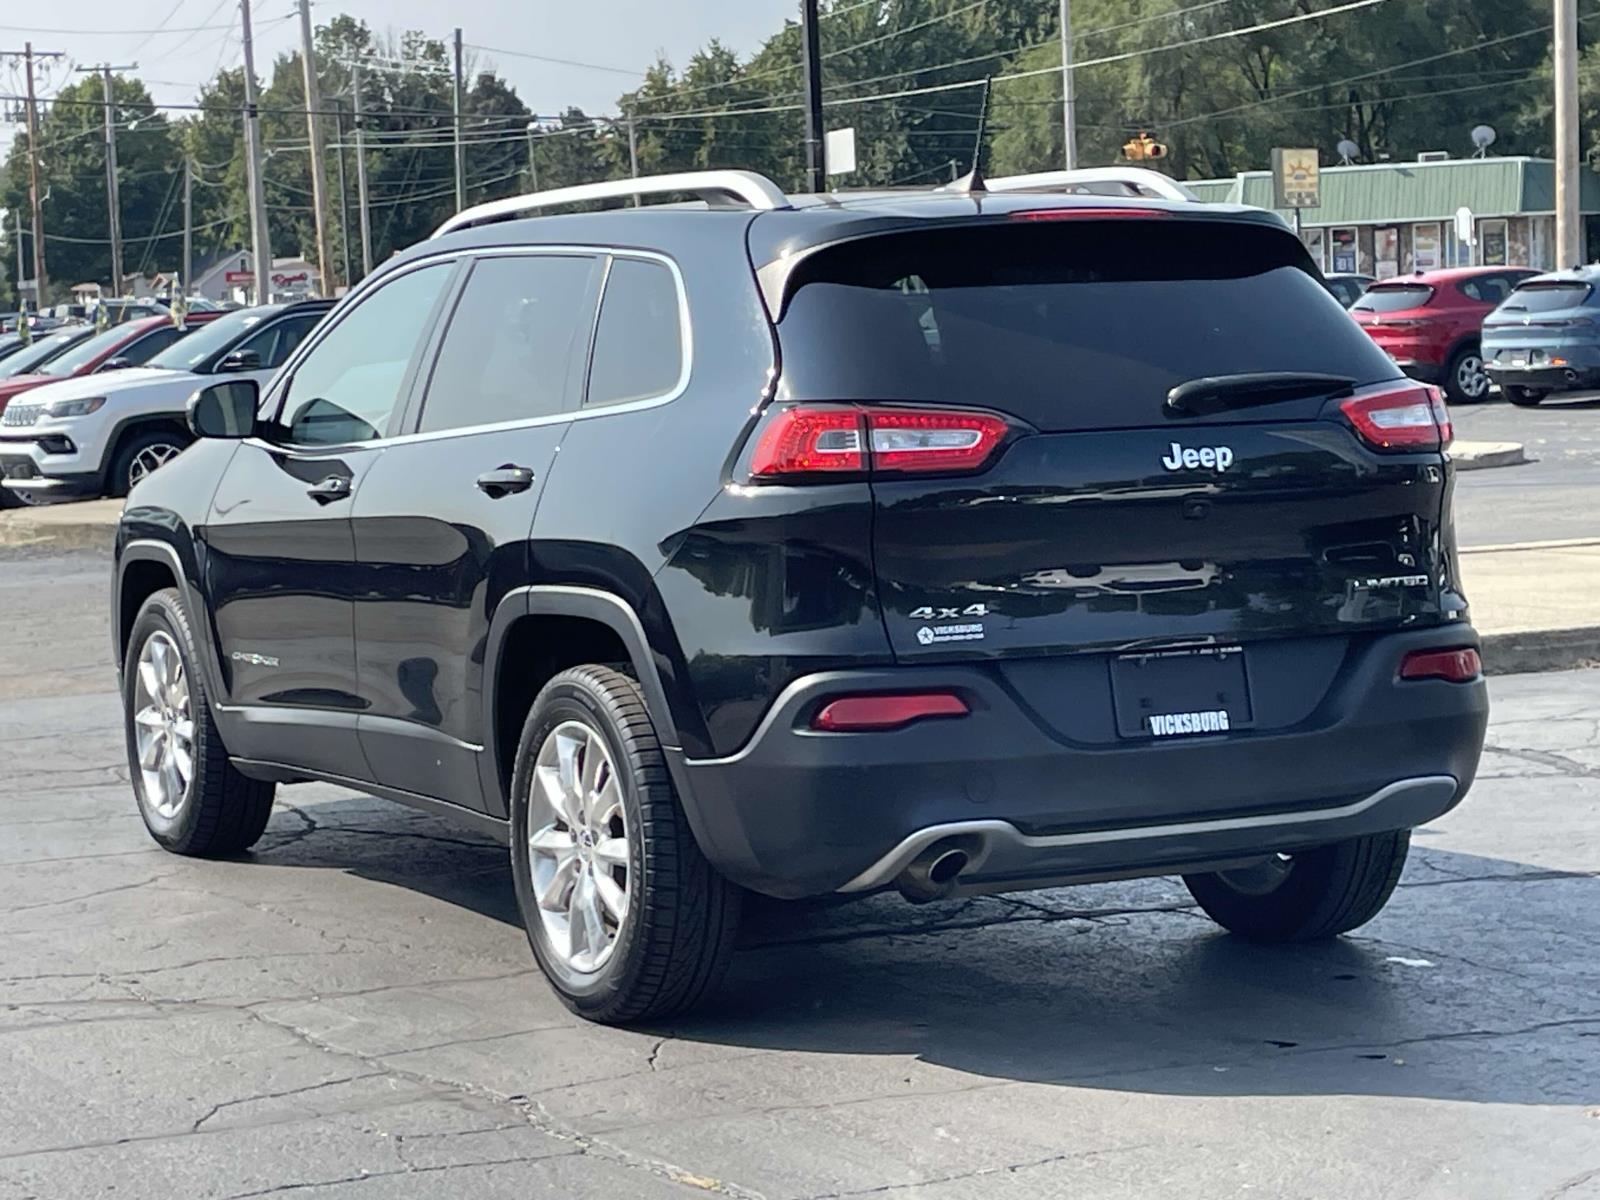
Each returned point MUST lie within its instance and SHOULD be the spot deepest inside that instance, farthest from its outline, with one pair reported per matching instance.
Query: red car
(1429, 323)
(130, 344)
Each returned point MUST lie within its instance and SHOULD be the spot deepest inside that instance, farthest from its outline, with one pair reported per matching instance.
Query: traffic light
(1142, 147)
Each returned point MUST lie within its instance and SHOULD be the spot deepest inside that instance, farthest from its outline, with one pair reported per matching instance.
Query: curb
(1481, 456)
(80, 535)
(1540, 650)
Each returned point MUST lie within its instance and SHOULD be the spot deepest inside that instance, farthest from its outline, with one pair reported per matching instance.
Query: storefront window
(1386, 252)
(1492, 238)
(1343, 249)
(1314, 240)
(1425, 249)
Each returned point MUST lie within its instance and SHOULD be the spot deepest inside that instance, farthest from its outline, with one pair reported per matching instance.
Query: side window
(638, 345)
(346, 389)
(277, 341)
(508, 352)
(150, 344)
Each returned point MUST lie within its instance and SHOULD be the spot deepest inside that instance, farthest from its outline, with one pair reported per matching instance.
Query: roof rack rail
(747, 187)
(1138, 181)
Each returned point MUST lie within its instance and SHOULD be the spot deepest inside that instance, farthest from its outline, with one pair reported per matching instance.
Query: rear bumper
(799, 813)
(1550, 378)
(1422, 372)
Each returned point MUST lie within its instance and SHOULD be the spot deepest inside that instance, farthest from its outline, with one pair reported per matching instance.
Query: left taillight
(816, 440)
(1412, 417)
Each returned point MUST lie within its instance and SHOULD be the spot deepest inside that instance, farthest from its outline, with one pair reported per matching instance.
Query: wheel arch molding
(581, 603)
(134, 562)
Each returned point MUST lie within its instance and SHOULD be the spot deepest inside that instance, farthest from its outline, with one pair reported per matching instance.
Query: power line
(564, 62)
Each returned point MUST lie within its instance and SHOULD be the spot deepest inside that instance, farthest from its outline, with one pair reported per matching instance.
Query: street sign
(245, 277)
(839, 150)
(1296, 179)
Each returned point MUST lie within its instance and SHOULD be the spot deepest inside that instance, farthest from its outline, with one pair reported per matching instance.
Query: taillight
(865, 714)
(1459, 665)
(807, 440)
(1403, 418)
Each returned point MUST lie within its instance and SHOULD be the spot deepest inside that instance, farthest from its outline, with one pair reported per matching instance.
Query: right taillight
(1412, 417)
(1458, 665)
(814, 440)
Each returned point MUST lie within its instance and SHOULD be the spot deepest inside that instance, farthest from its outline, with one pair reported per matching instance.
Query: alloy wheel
(578, 847)
(1470, 377)
(151, 459)
(163, 725)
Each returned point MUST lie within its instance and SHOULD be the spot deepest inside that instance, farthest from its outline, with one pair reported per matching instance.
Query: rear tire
(1464, 379)
(626, 918)
(1524, 397)
(192, 798)
(1304, 897)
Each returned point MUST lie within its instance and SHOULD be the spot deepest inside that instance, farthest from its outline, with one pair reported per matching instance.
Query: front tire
(1464, 379)
(141, 455)
(1524, 397)
(626, 918)
(193, 800)
(1304, 897)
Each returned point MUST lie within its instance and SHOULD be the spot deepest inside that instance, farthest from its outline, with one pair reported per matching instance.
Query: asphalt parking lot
(352, 1009)
(1556, 495)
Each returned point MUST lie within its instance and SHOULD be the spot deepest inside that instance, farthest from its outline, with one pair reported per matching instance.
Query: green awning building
(1393, 218)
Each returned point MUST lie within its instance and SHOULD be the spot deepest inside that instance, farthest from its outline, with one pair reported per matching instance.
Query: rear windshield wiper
(1218, 393)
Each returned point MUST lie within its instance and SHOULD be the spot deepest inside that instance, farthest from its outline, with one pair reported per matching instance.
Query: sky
(623, 34)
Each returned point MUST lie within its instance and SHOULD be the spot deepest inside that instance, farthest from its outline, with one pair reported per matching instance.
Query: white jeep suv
(100, 434)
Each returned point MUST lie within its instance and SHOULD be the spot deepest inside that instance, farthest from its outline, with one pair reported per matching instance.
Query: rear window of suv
(1393, 297)
(1547, 297)
(1065, 324)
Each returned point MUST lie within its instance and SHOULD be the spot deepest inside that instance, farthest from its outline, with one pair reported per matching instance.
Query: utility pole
(633, 151)
(260, 246)
(35, 196)
(344, 200)
(319, 168)
(361, 174)
(461, 148)
(113, 200)
(1069, 88)
(1569, 224)
(188, 227)
(533, 167)
(811, 61)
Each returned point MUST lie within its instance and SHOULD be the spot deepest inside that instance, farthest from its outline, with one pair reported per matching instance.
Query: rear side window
(1066, 324)
(275, 343)
(511, 343)
(1393, 297)
(1489, 289)
(638, 346)
(1547, 297)
(151, 344)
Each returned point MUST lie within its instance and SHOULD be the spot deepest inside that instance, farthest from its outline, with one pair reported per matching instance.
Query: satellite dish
(1347, 151)
(1482, 137)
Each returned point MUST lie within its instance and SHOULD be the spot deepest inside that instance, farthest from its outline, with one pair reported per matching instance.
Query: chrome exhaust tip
(933, 874)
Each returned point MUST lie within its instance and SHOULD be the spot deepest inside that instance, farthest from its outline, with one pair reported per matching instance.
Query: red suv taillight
(1409, 417)
(814, 440)
(875, 714)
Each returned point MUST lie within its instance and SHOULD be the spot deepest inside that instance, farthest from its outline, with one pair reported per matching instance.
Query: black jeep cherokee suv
(948, 541)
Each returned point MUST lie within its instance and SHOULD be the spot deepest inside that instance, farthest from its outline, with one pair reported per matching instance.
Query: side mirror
(116, 364)
(240, 360)
(225, 410)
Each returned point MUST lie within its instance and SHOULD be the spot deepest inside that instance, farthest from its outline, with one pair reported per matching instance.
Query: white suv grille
(21, 414)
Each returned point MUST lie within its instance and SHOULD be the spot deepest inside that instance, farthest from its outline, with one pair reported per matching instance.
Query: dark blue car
(1545, 336)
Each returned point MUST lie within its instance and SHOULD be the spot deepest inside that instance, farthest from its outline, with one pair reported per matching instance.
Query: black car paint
(388, 611)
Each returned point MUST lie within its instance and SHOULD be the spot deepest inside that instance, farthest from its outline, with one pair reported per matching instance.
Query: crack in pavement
(121, 887)
(310, 1087)
(367, 1176)
(1549, 758)
(985, 1172)
(1033, 915)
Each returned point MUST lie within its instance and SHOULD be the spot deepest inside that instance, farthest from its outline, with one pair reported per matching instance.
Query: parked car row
(86, 414)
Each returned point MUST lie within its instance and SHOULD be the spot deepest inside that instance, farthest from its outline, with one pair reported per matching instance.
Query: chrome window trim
(583, 412)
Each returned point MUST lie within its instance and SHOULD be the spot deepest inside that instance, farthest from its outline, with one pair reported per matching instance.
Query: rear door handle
(334, 487)
(503, 481)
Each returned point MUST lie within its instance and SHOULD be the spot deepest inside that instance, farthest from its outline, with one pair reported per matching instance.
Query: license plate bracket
(1188, 692)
